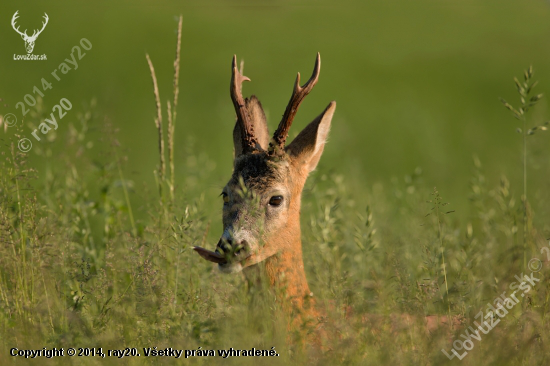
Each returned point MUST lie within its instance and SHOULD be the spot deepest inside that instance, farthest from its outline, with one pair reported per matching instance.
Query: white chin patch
(230, 267)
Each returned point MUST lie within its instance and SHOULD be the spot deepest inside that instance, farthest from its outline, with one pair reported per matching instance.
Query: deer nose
(232, 248)
(241, 248)
(225, 245)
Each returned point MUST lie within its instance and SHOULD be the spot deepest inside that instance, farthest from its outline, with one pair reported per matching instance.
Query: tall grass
(527, 101)
(171, 113)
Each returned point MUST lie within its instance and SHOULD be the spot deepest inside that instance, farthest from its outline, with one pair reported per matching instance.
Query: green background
(417, 83)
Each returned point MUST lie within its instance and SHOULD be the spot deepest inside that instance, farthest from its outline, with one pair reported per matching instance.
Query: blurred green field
(91, 257)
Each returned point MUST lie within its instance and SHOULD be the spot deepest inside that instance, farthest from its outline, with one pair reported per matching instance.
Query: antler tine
(249, 141)
(13, 19)
(298, 94)
(46, 18)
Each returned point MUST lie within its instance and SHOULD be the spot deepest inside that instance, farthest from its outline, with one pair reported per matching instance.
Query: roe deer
(261, 210)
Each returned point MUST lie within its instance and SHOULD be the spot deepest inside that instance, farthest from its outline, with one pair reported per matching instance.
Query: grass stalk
(524, 90)
(440, 236)
(437, 208)
(48, 303)
(127, 199)
(23, 252)
(172, 112)
(158, 122)
(524, 192)
(171, 128)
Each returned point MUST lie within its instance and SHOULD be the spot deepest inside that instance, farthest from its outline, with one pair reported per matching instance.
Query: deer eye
(225, 197)
(276, 200)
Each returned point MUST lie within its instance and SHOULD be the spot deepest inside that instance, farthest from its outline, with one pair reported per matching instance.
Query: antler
(249, 141)
(13, 19)
(299, 93)
(37, 32)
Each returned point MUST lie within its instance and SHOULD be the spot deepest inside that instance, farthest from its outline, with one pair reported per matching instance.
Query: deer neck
(286, 274)
(284, 271)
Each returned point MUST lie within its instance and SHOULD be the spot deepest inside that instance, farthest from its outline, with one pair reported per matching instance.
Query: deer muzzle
(226, 252)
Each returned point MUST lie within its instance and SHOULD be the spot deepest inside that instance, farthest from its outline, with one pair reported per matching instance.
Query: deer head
(261, 201)
(29, 40)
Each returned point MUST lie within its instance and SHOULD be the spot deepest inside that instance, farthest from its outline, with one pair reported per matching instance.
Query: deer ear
(259, 124)
(308, 146)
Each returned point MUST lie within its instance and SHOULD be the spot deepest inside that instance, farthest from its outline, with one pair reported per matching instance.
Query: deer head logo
(29, 40)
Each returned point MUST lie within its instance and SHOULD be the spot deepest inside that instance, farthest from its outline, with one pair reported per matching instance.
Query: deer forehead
(260, 173)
